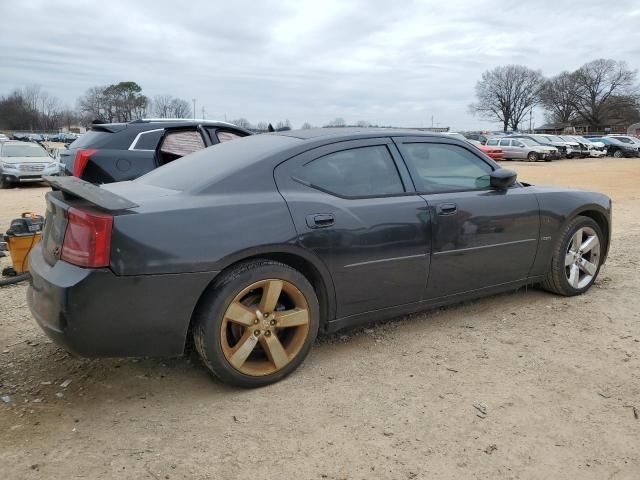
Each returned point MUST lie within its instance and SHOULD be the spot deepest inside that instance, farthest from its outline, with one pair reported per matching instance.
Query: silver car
(24, 162)
(523, 148)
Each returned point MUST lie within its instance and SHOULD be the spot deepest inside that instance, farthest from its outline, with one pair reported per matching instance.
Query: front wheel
(576, 258)
(4, 183)
(532, 157)
(257, 324)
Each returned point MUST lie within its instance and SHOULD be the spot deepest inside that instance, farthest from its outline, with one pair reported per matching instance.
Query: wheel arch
(295, 257)
(603, 222)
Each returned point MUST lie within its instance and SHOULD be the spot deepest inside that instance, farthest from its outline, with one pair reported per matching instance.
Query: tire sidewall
(532, 157)
(583, 222)
(210, 315)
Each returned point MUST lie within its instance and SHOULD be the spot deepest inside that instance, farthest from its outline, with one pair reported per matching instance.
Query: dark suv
(115, 152)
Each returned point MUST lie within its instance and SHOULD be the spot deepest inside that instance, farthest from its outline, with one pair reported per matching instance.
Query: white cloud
(391, 63)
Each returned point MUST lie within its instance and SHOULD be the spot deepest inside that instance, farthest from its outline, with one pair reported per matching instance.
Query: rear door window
(504, 143)
(354, 173)
(182, 143)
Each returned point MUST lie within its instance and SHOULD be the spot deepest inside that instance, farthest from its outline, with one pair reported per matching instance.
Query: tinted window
(148, 140)
(441, 168)
(182, 143)
(359, 172)
(91, 138)
(504, 143)
(518, 143)
(492, 142)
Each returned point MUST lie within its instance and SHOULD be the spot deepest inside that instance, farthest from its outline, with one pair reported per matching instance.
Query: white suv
(24, 162)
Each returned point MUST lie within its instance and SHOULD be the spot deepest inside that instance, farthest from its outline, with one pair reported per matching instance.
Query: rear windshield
(23, 150)
(90, 139)
(205, 167)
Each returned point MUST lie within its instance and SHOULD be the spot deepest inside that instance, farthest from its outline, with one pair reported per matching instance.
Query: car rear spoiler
(100, 197)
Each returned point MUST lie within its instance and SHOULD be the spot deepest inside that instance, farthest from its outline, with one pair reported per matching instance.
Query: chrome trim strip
(393, 259)
(482, 247)
(135, 140)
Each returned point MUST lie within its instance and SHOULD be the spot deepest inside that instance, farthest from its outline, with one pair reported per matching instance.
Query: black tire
(556, 280)
(211, 311)
(4, 183)
(618, 154)
(532, 157)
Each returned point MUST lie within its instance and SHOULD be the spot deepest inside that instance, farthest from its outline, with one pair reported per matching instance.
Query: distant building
(578, 127)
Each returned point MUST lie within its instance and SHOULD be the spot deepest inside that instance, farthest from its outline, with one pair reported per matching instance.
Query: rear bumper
(95, 313)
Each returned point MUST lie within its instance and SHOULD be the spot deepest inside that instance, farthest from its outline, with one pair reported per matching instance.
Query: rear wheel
(576, 258)
(532, 157)
(257, 323)
(618, 154)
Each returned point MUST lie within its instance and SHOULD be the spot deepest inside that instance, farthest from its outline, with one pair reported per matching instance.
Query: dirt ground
(522, 385)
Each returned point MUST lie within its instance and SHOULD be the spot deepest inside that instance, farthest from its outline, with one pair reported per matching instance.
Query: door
(519, 149)
(353, 206)
(507, 148)
(481, 237)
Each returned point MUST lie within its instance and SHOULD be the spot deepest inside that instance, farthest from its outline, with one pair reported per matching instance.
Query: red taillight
(82, 157)
(87, 240)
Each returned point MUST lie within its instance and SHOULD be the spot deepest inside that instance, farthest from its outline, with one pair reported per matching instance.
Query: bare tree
(598, 84)
(306, 126)
(162, 106)
(557, 97)
(180, 108)
(262, 126)
(337, 122)
(506, 94)
(363, 124)
(242, 123)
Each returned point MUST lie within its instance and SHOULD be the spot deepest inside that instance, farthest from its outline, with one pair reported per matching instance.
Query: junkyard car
(24, 162)
(297, 232)
(523, 148)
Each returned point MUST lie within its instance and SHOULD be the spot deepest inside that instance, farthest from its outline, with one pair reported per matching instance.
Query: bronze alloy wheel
(265, 327)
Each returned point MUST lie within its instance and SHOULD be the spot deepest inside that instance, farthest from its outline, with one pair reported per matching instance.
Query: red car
(493, 152)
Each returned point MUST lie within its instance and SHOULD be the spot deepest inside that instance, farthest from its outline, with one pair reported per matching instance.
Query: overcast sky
(398, 63)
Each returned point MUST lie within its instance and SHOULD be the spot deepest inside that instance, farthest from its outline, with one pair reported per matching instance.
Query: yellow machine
(23, 234)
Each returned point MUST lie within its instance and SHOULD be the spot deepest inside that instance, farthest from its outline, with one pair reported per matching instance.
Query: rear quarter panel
(183, 233)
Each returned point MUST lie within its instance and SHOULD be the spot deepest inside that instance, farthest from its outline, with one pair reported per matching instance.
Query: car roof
(345, 133)
(157, 123)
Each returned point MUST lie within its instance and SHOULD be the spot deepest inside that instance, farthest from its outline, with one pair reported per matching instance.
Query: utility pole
(203, 117)
(194, 109)
(530, 115)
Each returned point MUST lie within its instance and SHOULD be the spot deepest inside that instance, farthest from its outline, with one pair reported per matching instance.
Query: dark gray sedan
(254, 246)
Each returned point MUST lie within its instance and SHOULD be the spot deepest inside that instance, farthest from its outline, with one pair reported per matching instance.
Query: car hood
(597, 144)
(26, 159)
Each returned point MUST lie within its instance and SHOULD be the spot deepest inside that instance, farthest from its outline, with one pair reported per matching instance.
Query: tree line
(594, 94)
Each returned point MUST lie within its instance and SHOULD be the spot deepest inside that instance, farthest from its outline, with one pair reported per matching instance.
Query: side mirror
(502, 178)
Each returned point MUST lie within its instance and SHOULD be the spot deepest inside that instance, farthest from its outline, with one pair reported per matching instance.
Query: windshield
(553, 138)
(25, 150)
(528, 142)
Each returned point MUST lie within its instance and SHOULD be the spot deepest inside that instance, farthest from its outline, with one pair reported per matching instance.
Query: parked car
(628, 139)
(492, 152)
(523, 148)
(3, 137)
(296, 232)
(22, 162)
(594, 149)
(540, 140)
(478, 137)
(116, 152)
(581, 150)
(617, 148)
